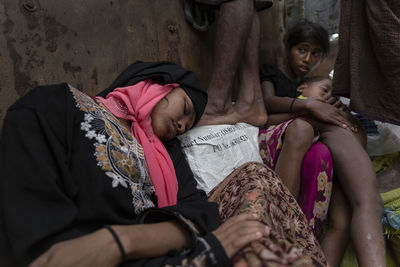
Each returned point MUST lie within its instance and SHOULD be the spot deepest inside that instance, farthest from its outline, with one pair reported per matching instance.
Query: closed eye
(324, 89)
(185, 108)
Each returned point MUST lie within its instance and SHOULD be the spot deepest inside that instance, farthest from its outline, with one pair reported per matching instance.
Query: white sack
(214, 151)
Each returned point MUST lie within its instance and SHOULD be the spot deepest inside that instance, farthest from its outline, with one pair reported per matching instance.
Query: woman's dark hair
(305, 30)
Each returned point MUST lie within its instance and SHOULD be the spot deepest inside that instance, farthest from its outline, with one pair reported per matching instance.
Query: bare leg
(250, 104)
(338, 235)
(234, 24)
(355, 172)
(298, 139)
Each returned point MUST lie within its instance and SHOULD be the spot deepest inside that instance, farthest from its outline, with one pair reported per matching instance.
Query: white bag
(215, 151)
(387, 142)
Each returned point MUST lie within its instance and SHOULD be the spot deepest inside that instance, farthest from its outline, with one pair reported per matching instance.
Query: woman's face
(304, 58)
(173, 115)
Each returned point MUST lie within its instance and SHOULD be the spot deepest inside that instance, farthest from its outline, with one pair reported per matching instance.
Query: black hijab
(163, 72)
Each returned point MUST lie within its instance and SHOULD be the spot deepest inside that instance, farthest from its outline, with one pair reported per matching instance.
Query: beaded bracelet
(118, 241)
(291, 105)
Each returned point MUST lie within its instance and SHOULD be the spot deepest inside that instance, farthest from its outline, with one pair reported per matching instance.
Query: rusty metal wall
(323, 12)
(87, 43)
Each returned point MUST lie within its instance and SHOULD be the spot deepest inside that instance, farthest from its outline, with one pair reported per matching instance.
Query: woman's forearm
(153, 240)
(278, 104)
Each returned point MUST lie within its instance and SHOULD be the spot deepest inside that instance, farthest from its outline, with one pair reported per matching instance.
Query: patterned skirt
(316, 174)
(255, 188)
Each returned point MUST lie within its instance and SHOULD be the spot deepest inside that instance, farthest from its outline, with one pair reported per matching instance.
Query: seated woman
(95, 181)
(306, 45)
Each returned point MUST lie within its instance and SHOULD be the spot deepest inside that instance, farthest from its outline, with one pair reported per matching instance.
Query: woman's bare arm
(146, 241)
(153, 240)
(275, 104)
(100, 249)
(317, 109)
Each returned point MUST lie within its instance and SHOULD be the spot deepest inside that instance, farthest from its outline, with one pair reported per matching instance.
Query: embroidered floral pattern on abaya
(117, 152)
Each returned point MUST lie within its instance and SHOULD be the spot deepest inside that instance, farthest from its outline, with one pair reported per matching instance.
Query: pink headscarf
(135, 103)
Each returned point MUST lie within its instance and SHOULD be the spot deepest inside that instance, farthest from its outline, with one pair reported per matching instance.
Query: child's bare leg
(234, 24)
(338, 235)
(249, 104)
(355, 172)
(298, 139)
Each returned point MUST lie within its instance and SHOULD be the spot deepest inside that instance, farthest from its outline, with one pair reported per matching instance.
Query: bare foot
(217, 113)
(230, 117)
(254, 114)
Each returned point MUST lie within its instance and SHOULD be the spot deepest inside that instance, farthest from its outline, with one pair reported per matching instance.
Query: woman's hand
(239, 231)
(327, 112)
(96, 249)
(335, 101)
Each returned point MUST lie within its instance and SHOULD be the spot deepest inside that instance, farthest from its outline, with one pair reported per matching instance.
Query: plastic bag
(386, 142)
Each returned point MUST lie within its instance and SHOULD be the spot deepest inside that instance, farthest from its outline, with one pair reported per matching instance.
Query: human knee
(299, 134)
(341, 225)
(333, 134)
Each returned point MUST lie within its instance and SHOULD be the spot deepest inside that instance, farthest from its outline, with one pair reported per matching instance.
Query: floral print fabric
(255, 188)
(316, 174)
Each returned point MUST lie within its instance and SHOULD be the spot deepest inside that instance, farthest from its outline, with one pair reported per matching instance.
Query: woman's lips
(304, 69)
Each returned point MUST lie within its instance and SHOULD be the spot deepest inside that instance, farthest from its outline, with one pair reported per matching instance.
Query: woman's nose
(307, 57)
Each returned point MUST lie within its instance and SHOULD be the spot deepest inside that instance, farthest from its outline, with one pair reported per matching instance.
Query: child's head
(173, 115)
(306, 43)
(315, 87)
